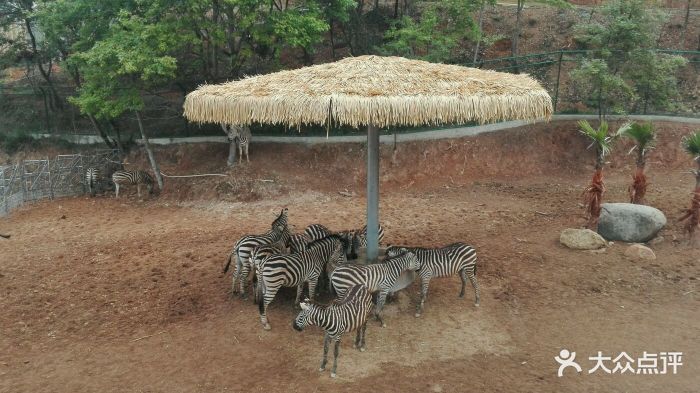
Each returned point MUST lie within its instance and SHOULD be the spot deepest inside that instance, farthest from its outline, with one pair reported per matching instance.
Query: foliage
(623, 40)
(601, 89)
(601, 138)
(644, 136)
(691, 144)
(437, 34)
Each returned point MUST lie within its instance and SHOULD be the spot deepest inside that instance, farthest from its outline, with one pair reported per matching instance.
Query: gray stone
(629, 222)
(581, 239)
(640, 252)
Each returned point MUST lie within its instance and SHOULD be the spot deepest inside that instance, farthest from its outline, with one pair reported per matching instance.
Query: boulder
(640, 252)
(581, 239)
(629, 222)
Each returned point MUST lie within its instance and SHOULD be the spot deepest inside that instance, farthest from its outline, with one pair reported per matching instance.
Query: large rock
(581, 239)
(629, 222)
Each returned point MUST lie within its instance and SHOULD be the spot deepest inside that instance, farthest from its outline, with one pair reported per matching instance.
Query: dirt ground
(100, 294)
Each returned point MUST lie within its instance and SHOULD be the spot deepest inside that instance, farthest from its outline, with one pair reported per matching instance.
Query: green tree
(624, 38)
(599, 88)
(133, 57)
(437, 35)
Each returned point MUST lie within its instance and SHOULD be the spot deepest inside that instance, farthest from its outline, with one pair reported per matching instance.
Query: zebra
(294, 270)
(343, 315)
(257, 256)
(132, 177)
(379, 277)
(93, 177)
(443, 262)
(244, 136)
(278, 234)
(362, 235)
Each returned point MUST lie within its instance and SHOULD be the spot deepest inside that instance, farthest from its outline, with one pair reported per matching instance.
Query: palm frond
(599, 137)
(643, 134)
(691, 144)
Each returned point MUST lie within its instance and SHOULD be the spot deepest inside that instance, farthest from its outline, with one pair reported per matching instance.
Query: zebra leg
(472, 278)
(335, 357)
(116, 186)
(247, 157)
(313, 282)
(300, 290)
(463, 276)
(240, 152)
(245, 270)
(326, 341)
(138, 189)
(358, 337)
(423, 294)
(362, 338)
(381, 299)
(267, 299)
(236, 274)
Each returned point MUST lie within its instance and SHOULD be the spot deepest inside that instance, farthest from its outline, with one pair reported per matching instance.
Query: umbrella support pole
(372, 193)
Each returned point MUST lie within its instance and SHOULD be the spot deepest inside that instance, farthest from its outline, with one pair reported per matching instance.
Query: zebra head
(394, 251)
(304, 318)
(281, 219)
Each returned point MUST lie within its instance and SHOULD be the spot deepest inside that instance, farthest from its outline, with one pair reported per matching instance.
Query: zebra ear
(304, 306)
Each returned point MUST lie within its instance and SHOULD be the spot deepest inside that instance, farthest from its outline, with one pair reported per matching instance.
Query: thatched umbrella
(375, 92)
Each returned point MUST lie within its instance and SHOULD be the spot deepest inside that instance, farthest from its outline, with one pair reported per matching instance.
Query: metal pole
(372, 193)
(556, 92)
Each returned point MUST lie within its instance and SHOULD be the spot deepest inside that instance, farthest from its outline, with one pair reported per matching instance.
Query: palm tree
(644, 137)
(603, 142)
(691, 144)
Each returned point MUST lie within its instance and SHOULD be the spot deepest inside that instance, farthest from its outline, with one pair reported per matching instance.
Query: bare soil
(127, 295)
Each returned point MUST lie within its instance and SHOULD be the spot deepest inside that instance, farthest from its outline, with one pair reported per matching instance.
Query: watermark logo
(647, 364)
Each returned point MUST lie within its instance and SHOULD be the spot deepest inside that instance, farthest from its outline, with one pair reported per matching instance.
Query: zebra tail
(228, 262)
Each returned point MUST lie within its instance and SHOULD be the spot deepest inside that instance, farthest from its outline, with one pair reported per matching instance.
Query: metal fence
(64, 175)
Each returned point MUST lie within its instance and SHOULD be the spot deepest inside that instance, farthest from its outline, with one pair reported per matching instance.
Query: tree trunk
(685, 25)
(593, 197)
(149, 151)
(481, 33)
(516, 35)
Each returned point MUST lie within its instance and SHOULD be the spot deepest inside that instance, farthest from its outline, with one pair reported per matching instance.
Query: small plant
(603, 142)
(691, 144)
(644, 137)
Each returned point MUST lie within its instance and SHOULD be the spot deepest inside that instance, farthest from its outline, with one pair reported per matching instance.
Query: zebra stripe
(257, 256)
(342, 316)
(362, 235)
(277, 235)
(92, 179)
(298, 242)
(376, 277)
(243, 134)
(294, 270)
(443, 262)
(132, 177)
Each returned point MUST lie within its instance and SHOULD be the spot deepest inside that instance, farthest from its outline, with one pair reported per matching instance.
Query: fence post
(48, 168)
(556, 89)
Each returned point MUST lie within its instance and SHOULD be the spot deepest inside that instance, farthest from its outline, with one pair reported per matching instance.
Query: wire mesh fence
(64, 175)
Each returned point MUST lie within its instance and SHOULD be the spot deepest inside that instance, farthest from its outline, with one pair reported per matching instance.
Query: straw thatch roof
(376, 90)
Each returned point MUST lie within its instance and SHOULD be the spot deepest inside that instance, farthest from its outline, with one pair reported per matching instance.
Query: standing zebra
(376, 277)
(132, 177)
(93, 177)
(343, 315)
(278, 234)
(243, 134)
(293, 270)
(443, 262)
(299, 241)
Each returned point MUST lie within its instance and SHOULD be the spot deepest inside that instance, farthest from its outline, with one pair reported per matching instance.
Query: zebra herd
(280, 259)
(95, 180)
